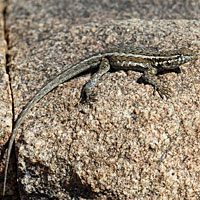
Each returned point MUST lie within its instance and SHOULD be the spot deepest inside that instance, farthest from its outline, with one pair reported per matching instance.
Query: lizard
(150, 63)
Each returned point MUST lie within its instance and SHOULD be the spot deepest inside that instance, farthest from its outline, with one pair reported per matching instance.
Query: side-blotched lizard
(150, 63)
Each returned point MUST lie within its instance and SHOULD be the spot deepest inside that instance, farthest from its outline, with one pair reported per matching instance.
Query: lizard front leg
(86, 93)
(150, 76)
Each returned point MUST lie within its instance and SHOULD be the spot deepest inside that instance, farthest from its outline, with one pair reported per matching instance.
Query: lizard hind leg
(86, 94)
(150, 77)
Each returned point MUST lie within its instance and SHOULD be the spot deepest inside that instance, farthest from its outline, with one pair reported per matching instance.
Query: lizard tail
(73, 71)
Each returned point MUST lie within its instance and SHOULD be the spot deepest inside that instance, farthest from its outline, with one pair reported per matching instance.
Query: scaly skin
(149, 62)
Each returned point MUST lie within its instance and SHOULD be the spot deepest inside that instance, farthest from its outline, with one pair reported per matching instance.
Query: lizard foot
(164, 92)
(86, 99)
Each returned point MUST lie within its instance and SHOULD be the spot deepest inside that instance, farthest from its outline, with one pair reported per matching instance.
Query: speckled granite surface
(130, 144)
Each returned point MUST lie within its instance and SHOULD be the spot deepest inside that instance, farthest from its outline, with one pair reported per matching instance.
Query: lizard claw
(92, 98)
(164, 92)
(86, 99)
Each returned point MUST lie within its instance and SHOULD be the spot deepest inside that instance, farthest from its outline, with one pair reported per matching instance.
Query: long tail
(75, 70)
